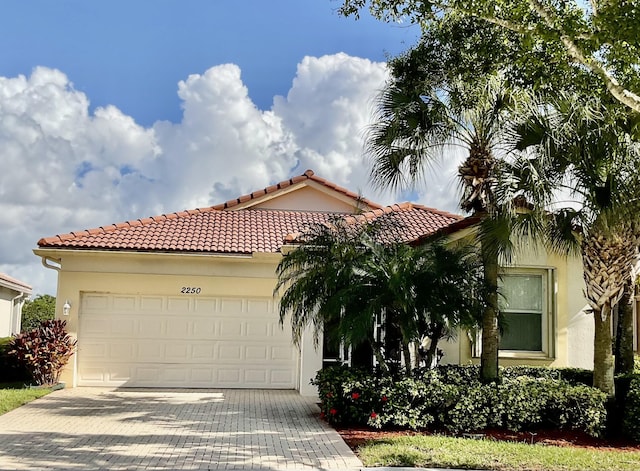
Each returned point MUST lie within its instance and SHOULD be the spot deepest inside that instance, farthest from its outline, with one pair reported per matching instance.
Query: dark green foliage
(452, 398)
(347, 275)
(44, 351)
(41, 308)
(10, 370)
(629, 387)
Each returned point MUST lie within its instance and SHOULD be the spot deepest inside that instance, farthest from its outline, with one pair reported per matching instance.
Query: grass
(447, 452)
(13, 395)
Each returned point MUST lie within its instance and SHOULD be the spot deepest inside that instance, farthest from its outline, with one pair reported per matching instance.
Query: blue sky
(116, 110)
(131, 54)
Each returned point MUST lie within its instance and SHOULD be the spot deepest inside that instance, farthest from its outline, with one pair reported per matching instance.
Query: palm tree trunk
(624, 333)
(490, 333)
(436, 334)
(406, 353)
(603, 352)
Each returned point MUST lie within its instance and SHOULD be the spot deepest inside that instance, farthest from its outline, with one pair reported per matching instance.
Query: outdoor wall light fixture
(66, 308)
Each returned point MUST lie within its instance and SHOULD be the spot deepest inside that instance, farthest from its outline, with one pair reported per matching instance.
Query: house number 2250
(190, 290)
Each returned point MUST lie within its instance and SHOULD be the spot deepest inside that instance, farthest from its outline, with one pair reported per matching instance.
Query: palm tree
(415, 125)
(352, 276)
(588, 150)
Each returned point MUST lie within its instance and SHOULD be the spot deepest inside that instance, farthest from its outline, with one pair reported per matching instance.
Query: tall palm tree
(353, 276)
(585, 149)
(415, 126)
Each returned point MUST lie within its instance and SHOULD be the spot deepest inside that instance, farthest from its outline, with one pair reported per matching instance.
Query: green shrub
(474, 410)
(44, 351)
(452, 398)
(10, 369)
(631, 410)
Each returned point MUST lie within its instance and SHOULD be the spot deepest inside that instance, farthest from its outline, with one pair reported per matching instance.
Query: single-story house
(186, 299)
(13, 294)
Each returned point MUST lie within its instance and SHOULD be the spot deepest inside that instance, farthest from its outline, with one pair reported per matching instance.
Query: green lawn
(446, 452)
(14, 395)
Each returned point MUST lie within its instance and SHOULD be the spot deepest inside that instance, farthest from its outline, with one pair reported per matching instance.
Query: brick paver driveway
(124, 429)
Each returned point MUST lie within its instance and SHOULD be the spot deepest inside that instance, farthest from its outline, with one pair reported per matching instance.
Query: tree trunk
(406, 353)
(624, 333)
(431, 352)
(603, 352)
(490, 333)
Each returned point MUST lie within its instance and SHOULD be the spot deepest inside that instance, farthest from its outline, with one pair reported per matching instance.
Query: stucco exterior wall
(307, 198)
(572, 331)
(166, 274)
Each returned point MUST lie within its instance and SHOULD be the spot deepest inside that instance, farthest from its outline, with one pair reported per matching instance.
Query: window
(526, 304)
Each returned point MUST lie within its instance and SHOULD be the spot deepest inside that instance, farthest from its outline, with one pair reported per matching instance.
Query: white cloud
(66, 169)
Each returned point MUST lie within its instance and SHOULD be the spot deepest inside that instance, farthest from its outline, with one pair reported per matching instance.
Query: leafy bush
(631, 410)
(39, 309)
(44, 351)
(10, 370)
(452, 398)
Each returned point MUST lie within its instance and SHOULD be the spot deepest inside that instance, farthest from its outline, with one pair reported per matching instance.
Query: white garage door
(164, 341)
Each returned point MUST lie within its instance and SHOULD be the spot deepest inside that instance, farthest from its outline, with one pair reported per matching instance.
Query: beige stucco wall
(573, 328)
(165, 274)
(307, 199)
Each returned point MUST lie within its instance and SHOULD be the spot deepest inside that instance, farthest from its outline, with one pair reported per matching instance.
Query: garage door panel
(230, 328)
(205, 307)
(229, 377)
(94, 349)
(124, 303)
(231, 306)
(179, 327)
(230, 352)
(283, 353)
(258, 328)
(204, 328)
(156, 341)
(178, 305)
(94, 327)
(256, 352)
(149, 351)
(123, 326)
(151, 303)
(120, 351)
(93, 301)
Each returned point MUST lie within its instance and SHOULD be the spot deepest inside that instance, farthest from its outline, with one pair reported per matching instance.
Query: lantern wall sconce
(66, 308)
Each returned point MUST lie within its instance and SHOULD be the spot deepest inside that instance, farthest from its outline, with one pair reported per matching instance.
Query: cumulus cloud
(66, 168)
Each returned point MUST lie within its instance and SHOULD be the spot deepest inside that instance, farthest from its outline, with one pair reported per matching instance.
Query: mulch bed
(354, 437)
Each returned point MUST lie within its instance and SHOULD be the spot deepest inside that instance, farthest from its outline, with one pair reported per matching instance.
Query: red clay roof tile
(241, 232)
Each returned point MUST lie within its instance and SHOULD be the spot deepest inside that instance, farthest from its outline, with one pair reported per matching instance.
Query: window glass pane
(521, 303)
(523, 331)
(521, 292)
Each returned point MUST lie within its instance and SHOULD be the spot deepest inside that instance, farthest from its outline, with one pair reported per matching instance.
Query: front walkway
(124, 429)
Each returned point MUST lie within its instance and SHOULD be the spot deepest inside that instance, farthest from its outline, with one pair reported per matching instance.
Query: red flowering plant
(349, 396)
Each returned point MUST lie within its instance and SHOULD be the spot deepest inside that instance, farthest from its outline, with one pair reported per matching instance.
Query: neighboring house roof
(16, 285)
(218, 230)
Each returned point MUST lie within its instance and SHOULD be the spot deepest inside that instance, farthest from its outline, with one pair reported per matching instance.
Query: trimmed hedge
(452, 398)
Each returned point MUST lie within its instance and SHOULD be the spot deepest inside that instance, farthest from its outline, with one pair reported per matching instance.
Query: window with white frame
(526, 303)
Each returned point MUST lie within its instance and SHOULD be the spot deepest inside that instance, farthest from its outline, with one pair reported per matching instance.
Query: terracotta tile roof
(12, 283)
(235, 232)
(248, 230)
(308, 175)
